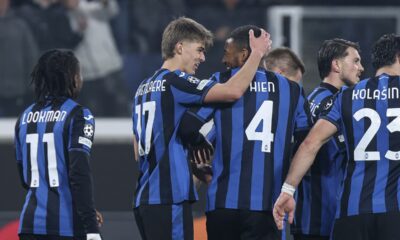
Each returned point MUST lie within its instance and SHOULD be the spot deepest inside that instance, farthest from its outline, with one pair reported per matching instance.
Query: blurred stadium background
(135, 33)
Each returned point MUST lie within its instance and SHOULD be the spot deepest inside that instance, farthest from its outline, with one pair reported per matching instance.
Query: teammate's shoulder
(180, 75)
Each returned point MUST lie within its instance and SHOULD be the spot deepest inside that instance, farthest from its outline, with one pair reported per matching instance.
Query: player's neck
(334, 81)
(389, 70)
(172, 64)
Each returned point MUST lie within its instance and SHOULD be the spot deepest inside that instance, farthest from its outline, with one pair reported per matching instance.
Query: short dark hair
(330, 50)
(182, 29)
(240, 36)
(54, 74)
(385, 50)
(284, 56)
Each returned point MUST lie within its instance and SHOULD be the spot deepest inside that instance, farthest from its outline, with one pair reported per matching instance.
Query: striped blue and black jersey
(368, 114)
(45, 137)
(254, 141)
(165, 175)
(316, 194)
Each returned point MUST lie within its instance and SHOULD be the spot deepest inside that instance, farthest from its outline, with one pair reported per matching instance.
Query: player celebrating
(367, 114)
(53, 139)
(253, 146)
(165, 187)
(339, 64)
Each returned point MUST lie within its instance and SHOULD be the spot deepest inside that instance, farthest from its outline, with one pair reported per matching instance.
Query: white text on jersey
(152, 86)
(44, 116)
(262, 87)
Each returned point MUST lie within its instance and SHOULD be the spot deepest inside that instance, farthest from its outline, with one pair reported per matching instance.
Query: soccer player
(253, 146)
(339, 64)
(165, 188)
(285, 62)
(53, 138)
(368, 116)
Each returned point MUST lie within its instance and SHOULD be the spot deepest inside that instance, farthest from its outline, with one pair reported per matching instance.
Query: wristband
(289, 189)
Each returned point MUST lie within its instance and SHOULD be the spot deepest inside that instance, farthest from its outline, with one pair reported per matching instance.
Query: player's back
(44, 135)
(254, 142)
(370, 116)
(160, 101)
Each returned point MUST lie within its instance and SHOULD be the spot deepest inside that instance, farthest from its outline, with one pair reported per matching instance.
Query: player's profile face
(350, 67)
(231, 54)
(192, 55)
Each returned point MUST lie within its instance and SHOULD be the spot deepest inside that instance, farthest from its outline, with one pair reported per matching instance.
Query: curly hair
(54, 74)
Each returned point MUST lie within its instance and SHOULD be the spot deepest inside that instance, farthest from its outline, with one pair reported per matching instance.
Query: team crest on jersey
(88, 130)
(193, 80)
(329, 104)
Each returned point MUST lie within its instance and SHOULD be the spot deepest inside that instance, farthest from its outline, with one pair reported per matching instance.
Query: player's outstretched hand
(202, 152)
(93, 236)
(284, 204)
(261, 44)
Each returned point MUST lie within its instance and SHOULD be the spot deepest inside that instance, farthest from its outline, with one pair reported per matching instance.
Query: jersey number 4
(48, 139)
(150, 109)
(264, 115)
(360, 153)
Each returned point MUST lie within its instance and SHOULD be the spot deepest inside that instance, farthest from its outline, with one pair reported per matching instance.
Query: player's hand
(260, 45)
(284, 204)
(203, 172)
(99, 218)
(201, 153)
(93, 236)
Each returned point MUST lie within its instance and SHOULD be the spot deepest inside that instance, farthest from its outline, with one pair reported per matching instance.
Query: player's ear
(335, 66)
(179, 48)
(244, 54)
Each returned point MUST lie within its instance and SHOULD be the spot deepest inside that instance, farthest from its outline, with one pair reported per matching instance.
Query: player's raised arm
(235, 87)
(302, 161)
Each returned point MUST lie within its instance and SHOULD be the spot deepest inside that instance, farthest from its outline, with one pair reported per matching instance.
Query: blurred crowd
(116, 41)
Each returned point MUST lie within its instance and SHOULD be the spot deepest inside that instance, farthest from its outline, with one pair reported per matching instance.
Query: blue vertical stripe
(42, 190)
(256, 202)
(280, 136)
(236, 153)
(66, 211)
(378, 198)
(177, 222)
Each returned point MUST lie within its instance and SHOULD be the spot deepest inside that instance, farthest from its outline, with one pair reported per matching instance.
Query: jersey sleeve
(331, 111)
(189, 89)
(82, 130)
(303, 116)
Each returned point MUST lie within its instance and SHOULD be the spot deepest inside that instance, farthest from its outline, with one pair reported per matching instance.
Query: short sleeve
(331, 111)
(82, 128)
(302, 117)
(188, 89)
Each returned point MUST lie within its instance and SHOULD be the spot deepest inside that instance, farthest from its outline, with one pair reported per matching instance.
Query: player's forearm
(302, 161)
(81, 189)
(240, 82)
(237, 85)
(304, 157)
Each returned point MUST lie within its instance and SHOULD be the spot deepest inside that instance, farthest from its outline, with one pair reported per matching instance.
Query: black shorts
(308, 237)
(165, 221)
(47, 237)
(241, 224)
(368, 226)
